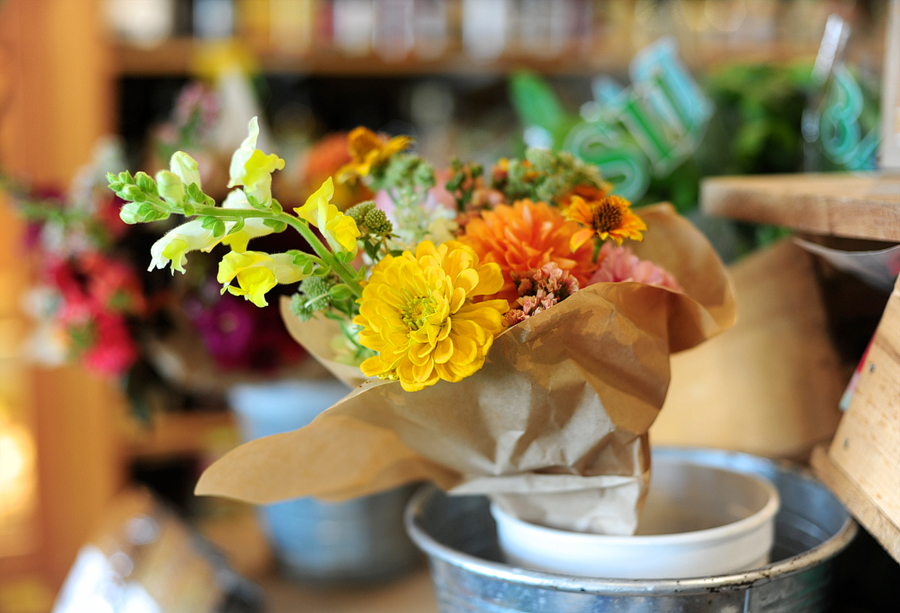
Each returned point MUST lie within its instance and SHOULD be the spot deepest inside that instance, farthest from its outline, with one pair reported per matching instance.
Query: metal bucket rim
(621, 587)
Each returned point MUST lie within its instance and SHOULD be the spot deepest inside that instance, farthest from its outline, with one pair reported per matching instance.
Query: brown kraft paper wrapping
(553, 428)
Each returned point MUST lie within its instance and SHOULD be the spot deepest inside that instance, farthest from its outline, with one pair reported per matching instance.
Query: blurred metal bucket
(458, 534)
(358, 541)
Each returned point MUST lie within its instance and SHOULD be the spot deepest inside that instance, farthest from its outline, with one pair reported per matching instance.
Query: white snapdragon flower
(252, 168)
(253, 227)
(177, 242)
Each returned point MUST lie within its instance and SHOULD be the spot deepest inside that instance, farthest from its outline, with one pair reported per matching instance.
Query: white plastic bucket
(698, 521)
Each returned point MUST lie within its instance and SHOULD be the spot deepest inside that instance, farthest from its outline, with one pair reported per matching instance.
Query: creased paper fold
(554, 426)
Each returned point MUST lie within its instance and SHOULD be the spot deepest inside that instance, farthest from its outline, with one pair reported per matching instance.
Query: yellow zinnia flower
(338, 229)
(256, 273)
(608, 217)
(368, 149)
(417, 312)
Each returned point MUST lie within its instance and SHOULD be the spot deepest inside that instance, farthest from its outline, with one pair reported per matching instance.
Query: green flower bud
(378, 223)
(300, 308)
(316, 287)
(170, 187)
(185, 167)
(133, 193)
(540, 158)
(143, 181)
(358, 212)
(129, 212)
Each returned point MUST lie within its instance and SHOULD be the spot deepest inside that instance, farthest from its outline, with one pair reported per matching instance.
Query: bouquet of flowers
(86, 299)
(506, 340)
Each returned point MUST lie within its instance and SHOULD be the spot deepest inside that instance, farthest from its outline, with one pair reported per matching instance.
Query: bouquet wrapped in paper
(502, 338)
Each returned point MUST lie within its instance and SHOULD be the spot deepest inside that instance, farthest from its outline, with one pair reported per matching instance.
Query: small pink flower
(619, 264)
(539, 290)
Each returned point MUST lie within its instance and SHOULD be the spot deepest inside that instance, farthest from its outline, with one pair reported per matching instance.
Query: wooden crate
(862, 465)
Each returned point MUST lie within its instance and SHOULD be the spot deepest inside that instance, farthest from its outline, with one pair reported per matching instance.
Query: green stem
(597, 244)
(346, 273)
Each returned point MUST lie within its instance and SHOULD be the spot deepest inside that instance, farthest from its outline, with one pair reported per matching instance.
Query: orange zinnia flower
(585, 192)
(609, 217)
(368, 149)
(524, 237)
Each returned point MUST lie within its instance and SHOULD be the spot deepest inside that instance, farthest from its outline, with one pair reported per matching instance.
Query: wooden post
(57, 102)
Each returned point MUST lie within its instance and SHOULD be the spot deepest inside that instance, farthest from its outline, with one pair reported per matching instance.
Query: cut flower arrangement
(503, 336)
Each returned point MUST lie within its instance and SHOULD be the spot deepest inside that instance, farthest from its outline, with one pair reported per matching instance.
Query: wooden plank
(777, 365)
(867, 443)
(859, 205)
(855, 499)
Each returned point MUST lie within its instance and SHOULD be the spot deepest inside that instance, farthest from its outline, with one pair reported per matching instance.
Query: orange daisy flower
(524, 237)
(609, 217)
(324, 160)
(368, 149)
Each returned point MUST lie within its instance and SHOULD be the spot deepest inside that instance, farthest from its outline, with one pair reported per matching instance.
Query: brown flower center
(607, 215)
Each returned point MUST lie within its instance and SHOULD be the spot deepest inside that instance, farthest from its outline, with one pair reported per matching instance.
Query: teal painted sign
(839, 124)
(647, 129)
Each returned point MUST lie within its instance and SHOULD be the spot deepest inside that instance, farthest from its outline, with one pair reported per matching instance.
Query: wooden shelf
(861, 205)
(176, 57)
(179, 434)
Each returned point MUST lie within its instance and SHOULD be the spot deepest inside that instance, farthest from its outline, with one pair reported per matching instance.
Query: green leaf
(207, 222)
(277, 226)
(345, 257)
(535, 101)
(189, 210)
(305, 261)
(341, 292)
(218, 229)
(256, 204)
(276, 207)
(237, 227)
(195, 194)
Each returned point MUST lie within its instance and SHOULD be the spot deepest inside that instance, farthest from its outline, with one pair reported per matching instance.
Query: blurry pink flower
(113, 285)
(620, 264)
(113, 350)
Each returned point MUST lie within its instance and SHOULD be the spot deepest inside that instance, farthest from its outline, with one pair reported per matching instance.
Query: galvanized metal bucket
(459, 536)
